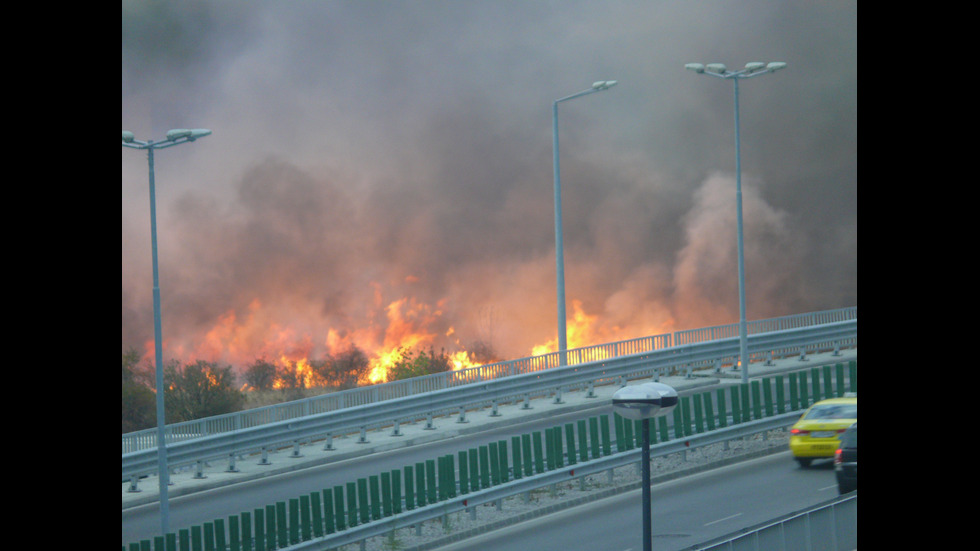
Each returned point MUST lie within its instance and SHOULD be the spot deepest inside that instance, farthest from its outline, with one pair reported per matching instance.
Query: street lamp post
(174, 137)
(719, 70)
(644, 402)
(597, 86)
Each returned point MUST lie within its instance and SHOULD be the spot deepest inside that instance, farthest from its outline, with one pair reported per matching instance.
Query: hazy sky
(386, 166)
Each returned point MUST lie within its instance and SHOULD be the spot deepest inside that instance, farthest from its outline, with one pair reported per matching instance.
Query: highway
(686, 511)
(142, 522)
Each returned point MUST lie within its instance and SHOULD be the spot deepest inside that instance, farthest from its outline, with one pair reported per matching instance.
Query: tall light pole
(719, 70)
(174, 137)
(597, 86)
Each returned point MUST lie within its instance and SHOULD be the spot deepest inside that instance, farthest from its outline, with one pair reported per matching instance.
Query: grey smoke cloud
(366, 152)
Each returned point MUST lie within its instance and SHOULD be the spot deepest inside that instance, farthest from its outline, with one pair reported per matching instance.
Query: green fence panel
(687, 411)
(305, 518)
(756, 400)
(767, 396)
(220, 542)
(620, 432)
(828, 383)
(839, 372)
(780, 395)
(604, 434)
(852, 372)
(743, 390)
(259, 539)
(386, 506)
(528, 456)
(494, 457)
(484, 452)
(351, 491)
(431, 481)
(420, 489)
(549, 443)
(804, 391)
(409, 488)
(464, 472)
(722, 408)
(538, 452)
(316, 512)
(184, 539)
(595, 441)
(270, 526)
(583, 439)
(698, 408)
(234, 534)
(678, 423)
(515, 456)
(794, 392)
(502, 458)
(709, 411)
(363, 507)
(282, 531)
(197, 538)
(340, 512)
(374, 491)
(247, 541)
(736, 406)
(815, 373)
(293, 525)
(207, 536)
(396, 491)
(570, 442)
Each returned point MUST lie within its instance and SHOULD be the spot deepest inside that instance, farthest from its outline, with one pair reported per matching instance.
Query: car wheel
(804, 461)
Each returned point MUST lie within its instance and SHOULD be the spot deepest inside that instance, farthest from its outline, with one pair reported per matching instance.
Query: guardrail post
(396, 429)
(558, 399)
(265, 456)
(362, 439)
(527, 402)
(329, 443)
(199, 470)
(462, 415)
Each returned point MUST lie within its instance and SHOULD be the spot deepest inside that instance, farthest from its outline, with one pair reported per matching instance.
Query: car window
(833, 411)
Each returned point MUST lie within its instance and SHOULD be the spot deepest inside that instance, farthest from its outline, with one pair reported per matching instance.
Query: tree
(346, 368)
(138, 400)
(200, 389)
(419, 364)
(260, 375)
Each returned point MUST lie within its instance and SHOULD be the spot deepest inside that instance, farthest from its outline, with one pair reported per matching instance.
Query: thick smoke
(380, 164)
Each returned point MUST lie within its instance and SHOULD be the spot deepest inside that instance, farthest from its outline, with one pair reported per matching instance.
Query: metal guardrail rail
(176, 432)
(479, 394)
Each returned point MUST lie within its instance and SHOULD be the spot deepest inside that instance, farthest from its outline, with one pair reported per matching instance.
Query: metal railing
(176, 432)
(364, 417)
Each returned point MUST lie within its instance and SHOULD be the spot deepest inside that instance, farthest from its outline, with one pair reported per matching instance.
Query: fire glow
(408, 325)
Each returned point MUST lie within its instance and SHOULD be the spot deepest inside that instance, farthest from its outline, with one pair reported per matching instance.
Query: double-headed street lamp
(559, 246)
(753, 69)
(174, 137)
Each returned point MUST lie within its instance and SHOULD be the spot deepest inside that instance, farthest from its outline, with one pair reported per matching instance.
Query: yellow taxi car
(817, 434)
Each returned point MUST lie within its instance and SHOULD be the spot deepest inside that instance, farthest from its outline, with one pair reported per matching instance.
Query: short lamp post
(597, 86)
(644, 402)
(174, 137)
(718, 70)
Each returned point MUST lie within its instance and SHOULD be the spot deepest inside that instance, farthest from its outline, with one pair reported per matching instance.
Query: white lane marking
(722, 519)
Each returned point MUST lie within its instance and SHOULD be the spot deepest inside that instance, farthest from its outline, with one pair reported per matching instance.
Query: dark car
(846, 460)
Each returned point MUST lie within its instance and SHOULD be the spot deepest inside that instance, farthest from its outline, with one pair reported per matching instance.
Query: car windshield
(833, 411)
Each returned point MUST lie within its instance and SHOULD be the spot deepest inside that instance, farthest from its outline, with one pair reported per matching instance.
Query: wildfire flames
(408, 325)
